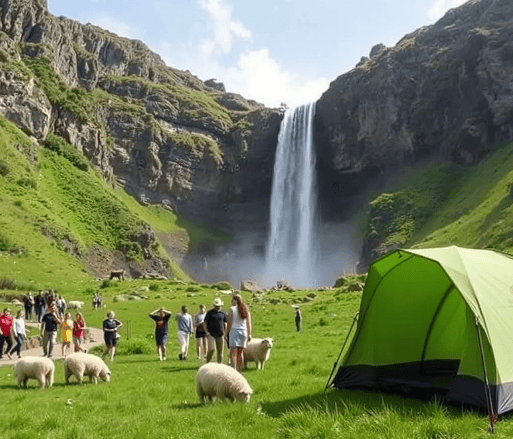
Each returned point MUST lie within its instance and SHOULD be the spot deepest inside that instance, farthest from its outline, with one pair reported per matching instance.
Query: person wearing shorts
(239, 330)
(201, 335)
(78, 332)
(110, 334)
(215, 327)
(161, 318)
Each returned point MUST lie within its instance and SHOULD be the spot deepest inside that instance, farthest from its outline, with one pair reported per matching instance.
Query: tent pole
(355, 319)
(492, 416)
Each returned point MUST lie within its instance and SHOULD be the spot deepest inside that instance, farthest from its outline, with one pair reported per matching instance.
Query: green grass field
(147, 398)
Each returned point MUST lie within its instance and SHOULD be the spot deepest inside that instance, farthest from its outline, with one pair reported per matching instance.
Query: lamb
(258, 350)
(75, 304)
(80, 364)
(37, 368)
(221, 381)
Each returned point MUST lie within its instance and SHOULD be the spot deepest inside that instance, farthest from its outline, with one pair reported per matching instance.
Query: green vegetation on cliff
(447, 204)
(55, 207)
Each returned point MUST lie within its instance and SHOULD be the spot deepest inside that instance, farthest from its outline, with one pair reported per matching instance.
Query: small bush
(323, 322)
(69, 152)
(106, 283)
(18, 203)
(223, 286)
(6, 243)
(27, 182)
(4, 168)
(154, 287)
(6, 283)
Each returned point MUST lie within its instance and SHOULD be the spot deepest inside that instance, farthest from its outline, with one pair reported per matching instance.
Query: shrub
(6, 283)
(223, 286)
(4, 168)
(154, 287)
(27, 182)
(106, 283)
(69, 152)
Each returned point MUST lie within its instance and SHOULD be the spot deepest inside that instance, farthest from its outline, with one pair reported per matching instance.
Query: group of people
(40, 303)
(212, 329)
(52, 320)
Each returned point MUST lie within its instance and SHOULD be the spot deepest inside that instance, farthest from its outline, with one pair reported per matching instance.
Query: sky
(272, 51)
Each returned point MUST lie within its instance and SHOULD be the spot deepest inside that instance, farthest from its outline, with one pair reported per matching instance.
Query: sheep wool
(75, 304)
(215, 380)
(41, 369)
(258, 351)
(80, 364)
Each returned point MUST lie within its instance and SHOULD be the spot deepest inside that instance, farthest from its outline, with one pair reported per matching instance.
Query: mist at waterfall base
(243, 259)
(296, 247)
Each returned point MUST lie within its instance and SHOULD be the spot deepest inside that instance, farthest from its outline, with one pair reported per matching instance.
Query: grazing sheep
(221, 381)
(80, 364)
(258, 350)
(37, 368)
(75, 304)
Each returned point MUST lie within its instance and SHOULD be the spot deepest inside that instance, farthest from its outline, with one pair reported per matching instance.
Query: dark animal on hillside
(120, 274)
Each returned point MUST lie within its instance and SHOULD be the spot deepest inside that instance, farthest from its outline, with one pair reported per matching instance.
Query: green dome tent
(439, 321)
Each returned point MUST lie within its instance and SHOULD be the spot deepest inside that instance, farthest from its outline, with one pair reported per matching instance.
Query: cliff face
(443, 91)
(163, 134)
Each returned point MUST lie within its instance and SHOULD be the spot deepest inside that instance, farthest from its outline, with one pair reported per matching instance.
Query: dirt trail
(96, 339)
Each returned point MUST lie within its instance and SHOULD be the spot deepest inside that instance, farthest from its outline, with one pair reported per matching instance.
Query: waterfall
(292, 247)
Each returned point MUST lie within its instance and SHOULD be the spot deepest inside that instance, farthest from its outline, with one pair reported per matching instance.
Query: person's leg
(219, 348)
(2, 339)
(112, 352)
(240, 358)
(186, 347)
(17, 347)
(211, 346)
(164, 351)
(52, 338)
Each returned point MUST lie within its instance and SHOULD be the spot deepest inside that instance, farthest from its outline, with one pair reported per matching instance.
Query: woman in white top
(18, 329)
(239, 330)
(201, 335)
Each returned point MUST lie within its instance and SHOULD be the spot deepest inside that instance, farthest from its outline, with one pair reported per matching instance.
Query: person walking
(19, 333)
(161, 317)
(110, 334)
(239, 330)
(28, 303)
(66, 333)
(39, 306)
(78, 332)
(298, 319)
(215, 327)
(6, 332)
(201, 336)
(184, 322)
(49, 324)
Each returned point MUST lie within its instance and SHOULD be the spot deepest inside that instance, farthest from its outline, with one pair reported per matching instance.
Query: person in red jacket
(6, 332)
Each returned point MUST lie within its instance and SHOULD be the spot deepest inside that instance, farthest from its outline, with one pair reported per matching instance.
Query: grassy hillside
(441, 204)
(55, 207)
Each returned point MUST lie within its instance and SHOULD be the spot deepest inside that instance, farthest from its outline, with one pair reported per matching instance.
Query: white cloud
(440, 7)
(254, 74)
(224, 28)
(264, 80)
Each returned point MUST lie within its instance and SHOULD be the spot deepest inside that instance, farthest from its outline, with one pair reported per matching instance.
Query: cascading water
(292, 247)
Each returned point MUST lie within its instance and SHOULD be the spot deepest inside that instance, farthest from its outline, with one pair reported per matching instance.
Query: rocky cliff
(443, 91)
(161, 133)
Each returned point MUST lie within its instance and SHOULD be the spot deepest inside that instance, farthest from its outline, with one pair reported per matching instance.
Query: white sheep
(80, 364)
(221, 381)
(258, 351)
(75, 304)
(37, 368)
